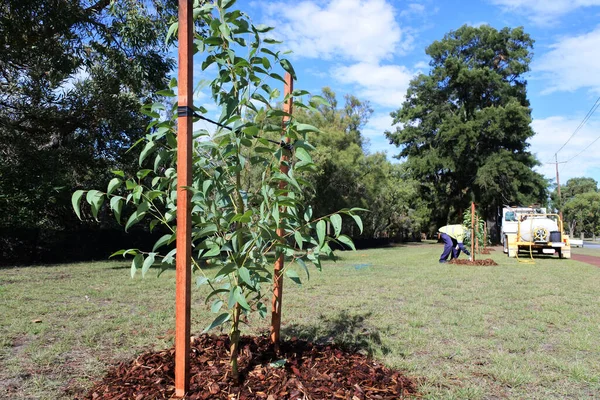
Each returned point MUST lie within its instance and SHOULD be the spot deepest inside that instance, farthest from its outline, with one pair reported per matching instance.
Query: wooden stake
(473, 231)
(184, 179)
(278, 268)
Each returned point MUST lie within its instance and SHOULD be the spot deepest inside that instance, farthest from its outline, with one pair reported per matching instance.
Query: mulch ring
(486, 262)
(302, 371)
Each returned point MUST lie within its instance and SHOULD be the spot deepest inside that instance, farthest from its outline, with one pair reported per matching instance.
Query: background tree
(580, 205)
(573, 187)
(73, 77)
(347, 175)
(463, 128)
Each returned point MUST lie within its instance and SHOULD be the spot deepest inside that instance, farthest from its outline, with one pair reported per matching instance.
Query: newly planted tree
(234, 223)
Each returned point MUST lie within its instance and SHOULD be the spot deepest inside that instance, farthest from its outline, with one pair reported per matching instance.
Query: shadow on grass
(351, 332)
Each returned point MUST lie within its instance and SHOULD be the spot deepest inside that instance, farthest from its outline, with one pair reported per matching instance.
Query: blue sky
(372, 49)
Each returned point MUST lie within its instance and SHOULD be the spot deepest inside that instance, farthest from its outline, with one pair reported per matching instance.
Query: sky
(373, 48)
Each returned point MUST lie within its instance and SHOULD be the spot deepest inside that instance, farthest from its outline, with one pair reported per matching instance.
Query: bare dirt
(302, 371)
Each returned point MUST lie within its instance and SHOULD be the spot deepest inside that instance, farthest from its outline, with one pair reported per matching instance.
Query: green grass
(523, 331)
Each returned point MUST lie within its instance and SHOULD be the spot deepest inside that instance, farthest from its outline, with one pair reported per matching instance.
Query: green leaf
(262, 28)
(301, 263)
(347, 241)
(116, 204)
(306, 128)
(239, 297)
(293, 275)
(299, 239)
(117, 253)
(148, 149)
(172, 31)
(213, 251)
(358, 221)
(202, 280)
(303, 155)
(95, 198)
(321, 232)
(245, 275)
(243, 218)
(148, 263)
(170, 257)
(137, 215)
(220, 320)
(278, 363)
(336, 221)
(136, 264)
(112, 185)
(162, 241)
(75, 200)
(166, 93)
(287, 66)
(318, 100)
(119, 173)
(262, 309)
(308, 213)
(216, 306)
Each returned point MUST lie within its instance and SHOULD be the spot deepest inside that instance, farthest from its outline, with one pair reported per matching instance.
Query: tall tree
(73, 75)
(463, 128)
(579, 203)
(347, 175)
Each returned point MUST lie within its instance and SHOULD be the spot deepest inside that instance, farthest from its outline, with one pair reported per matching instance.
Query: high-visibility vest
(454, 231)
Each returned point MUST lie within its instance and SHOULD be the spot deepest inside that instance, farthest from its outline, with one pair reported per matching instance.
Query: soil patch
(302, 371)
(486, 262)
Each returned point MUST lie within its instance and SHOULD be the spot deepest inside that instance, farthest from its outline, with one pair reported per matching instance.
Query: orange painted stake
(278, 268)
(473, 231)
(184, 179)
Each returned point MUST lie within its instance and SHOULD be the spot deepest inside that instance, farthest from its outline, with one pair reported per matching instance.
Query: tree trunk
(235, 344)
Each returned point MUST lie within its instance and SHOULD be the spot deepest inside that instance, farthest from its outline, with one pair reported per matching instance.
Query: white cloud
(572, 63)
(543, 11)
(356, 30)
(552, 133)
(413, 9)
(377, 125)
(383, 85)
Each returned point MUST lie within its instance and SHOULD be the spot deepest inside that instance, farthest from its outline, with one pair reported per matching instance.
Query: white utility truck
(533, 229)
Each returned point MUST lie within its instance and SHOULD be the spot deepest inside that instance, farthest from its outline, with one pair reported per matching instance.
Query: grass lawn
(515, 330)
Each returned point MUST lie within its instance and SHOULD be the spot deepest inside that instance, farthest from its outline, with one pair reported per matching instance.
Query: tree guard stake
(184, 179)
(278, 268)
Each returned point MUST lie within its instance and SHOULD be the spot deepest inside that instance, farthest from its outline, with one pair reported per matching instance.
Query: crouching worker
(453, 236)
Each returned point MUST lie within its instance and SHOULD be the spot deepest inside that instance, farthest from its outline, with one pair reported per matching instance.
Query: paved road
(591, 245)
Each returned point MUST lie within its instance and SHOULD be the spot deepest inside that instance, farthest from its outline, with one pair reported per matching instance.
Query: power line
(581, 124)
(587, 147)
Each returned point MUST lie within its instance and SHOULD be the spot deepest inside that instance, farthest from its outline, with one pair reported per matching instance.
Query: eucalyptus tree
(234, 225)
(464, 127)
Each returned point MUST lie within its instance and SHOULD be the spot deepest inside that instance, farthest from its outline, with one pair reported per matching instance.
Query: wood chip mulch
(486, 262)
(310, 371)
